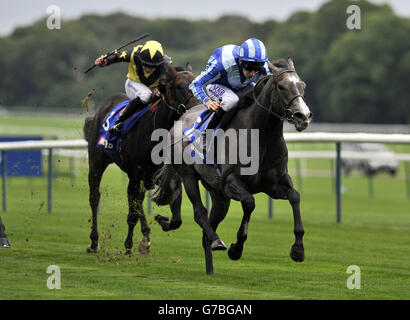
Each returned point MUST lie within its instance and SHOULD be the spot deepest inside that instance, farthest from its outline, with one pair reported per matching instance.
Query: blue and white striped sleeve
(209, 75)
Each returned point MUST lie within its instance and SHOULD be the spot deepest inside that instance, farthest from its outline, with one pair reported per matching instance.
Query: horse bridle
(181, 108)
(287, 113)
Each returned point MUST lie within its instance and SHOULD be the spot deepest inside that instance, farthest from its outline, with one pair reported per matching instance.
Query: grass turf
(374, 235)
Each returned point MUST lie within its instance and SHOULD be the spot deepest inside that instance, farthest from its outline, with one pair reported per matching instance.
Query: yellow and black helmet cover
(151, 53)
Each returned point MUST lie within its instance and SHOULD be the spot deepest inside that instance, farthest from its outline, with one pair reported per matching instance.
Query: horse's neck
(164, 116)
(270, 126)
(270, 135)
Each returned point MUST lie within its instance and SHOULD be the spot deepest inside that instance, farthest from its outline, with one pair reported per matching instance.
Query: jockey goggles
(252, 66)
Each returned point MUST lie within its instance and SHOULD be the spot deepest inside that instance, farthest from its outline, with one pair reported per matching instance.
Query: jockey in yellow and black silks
(147, 63)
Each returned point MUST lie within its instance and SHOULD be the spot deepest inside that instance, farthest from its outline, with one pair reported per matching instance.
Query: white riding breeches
(136, 89)
(225, 95)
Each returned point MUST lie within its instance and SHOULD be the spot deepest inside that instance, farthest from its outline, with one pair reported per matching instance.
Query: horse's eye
(281, 87)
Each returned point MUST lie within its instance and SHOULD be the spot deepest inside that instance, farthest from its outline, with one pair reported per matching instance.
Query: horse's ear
(188, 67)
(172, 70)
(290, 62)
(272, 68)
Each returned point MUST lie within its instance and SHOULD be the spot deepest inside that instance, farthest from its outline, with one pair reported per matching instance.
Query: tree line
(357, 76)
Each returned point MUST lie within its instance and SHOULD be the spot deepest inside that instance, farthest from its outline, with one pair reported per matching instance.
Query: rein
(180, 109)
(287, 114)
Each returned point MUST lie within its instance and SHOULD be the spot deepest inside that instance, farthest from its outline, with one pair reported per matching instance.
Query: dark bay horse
(135, 154)
(274, 99)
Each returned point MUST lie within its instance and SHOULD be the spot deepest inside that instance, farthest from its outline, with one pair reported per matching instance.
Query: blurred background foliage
(357, 76)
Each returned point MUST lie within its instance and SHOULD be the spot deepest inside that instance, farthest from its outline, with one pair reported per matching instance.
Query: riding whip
(116, 50)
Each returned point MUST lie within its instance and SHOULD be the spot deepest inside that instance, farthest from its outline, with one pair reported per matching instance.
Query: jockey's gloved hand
(213, 105)
(156, 95)
(101, 61)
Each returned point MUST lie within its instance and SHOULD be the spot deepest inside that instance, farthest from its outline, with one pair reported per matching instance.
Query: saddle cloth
(111, 143)
(196, 148)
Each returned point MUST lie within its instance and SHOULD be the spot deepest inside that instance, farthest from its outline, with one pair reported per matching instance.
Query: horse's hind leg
(4, 241)
(136, 194)
(176, 220)
(235, 189)
(96, 170)
(200, 212)
(220, 206)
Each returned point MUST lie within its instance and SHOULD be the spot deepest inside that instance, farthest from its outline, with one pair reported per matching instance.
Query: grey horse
(276, 98)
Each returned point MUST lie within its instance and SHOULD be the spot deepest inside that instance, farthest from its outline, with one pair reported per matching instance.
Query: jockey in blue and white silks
(230, 71)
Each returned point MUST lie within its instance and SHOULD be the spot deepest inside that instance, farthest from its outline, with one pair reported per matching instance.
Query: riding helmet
(253, 50)
(151, 53)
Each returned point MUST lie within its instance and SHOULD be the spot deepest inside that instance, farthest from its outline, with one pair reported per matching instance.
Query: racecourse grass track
(374, 235)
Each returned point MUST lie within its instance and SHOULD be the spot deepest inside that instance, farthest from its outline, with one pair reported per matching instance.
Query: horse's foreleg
(136, 194)
(235, 189)
(297, 253)
(284, 190)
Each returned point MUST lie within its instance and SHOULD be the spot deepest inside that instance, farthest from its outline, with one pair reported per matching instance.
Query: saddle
(202, 152)
(111, 143)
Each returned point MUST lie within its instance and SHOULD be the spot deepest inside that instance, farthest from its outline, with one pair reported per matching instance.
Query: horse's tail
(167, 185)
(87, 129)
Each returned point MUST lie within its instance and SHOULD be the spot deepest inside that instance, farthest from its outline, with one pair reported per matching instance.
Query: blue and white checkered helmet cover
(253, 50)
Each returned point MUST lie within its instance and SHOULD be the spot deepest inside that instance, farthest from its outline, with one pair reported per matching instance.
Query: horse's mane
(179, 69)
(246, 100)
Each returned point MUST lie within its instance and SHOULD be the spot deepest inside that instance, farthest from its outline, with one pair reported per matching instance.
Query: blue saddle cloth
(195, 147)
(111, 143)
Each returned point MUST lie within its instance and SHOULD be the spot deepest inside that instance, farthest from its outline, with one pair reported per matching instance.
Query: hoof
(92, 250)
(4, 243)
(144, 246)
(297, 253)
(163, 222)
(234, 254)
(128, 252)
(173, 225)
(209, 272)
(218, 244)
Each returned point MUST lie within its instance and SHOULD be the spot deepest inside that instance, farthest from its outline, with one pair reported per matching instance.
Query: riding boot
(213, 123)
(132, 107)
(227, 117)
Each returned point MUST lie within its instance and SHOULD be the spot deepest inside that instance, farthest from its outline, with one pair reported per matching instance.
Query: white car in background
(378, 158)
